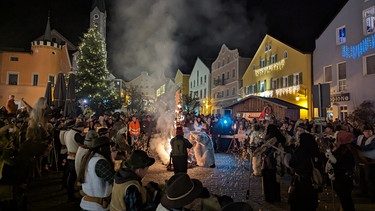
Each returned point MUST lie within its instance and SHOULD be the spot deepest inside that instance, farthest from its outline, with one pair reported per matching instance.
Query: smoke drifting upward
(162, 36)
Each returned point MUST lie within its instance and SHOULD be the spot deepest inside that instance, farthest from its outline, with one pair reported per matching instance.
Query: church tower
(98, 17)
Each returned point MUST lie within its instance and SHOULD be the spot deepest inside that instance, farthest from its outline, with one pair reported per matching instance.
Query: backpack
(178, 148)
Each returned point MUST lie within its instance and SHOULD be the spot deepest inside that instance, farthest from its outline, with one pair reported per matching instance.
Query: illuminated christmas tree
(93, 82)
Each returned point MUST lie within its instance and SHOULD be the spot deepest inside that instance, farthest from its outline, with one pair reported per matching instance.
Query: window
(273, 59)
(194, 83)
(227, 92)
(262, 86)
(274, 83)
(233, 73)
(369, 63)
(342, 76)
(191, 84)
(262, 63)
(204, 93)
(341, 35)
(327, 74)
(205, 78)
(14, 58)
(222, 93)
(228, 59)
(368, 20)
(343, 112)
(201, 80)
(52, 79)
(267, 47)
(227, 75)
(296, 79)
(285, 81)
(12, 78)
(200, 94)
(285, 54)
(35, 79)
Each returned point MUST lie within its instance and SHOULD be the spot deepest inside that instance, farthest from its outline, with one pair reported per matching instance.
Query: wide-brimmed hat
(103, 131)
(101, 141)
(181, 190)
(90, 136)
(79, 124)
(302, 125)
(139, 159)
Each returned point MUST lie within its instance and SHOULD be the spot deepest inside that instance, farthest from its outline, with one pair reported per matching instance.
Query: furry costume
(204, 151)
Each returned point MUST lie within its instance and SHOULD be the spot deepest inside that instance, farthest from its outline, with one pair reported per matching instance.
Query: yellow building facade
(182, 82)
(26, 74)
(280, 71)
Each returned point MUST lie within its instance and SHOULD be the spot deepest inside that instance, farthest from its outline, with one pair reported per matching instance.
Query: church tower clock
(98, 16)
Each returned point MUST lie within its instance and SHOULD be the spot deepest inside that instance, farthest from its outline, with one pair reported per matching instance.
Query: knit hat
(179, 131)
(181, 190)
(139, 159)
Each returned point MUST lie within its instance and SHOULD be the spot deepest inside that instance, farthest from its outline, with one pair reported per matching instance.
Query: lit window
(369, 63)
(341, 35)
(262, 86)
(369, 20)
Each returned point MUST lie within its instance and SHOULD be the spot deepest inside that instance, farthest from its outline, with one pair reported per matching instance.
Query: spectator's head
(103, 132)
(181, 191)
(90, 136)
(367, 131)
(179, 131)
(139, 162)
(80, 126)
(237, 206)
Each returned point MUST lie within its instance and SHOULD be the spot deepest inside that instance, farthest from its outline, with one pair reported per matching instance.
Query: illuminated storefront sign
(340, 97)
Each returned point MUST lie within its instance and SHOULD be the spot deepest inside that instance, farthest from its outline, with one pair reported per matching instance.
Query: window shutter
(300, 78)
(271, 80)
(265, 85)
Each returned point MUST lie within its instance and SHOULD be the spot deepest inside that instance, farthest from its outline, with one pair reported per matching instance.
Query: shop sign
(251, 115)
(340, 97)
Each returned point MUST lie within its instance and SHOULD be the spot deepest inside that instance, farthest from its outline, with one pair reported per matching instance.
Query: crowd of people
(88, 147)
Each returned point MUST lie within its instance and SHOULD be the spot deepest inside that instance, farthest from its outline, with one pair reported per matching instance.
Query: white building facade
(344, 58)
(199, 86)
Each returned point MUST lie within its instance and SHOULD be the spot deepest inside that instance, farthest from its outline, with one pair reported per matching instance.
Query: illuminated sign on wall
(356, 51)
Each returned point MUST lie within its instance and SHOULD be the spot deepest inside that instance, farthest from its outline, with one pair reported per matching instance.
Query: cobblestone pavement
(230, 177)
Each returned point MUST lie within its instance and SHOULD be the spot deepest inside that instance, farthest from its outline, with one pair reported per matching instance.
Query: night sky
(170, 34)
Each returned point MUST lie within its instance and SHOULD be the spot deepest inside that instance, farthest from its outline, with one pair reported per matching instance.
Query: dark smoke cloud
(163, 36)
